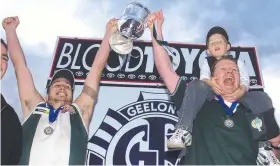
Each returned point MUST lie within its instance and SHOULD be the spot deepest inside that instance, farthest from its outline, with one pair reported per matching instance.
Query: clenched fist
(10, 23)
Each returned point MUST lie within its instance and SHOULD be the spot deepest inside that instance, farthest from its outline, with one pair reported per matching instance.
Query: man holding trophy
(131, 26)
(55, 129)
(212, 145)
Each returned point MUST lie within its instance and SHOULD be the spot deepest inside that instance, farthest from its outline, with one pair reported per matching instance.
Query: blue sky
(248, 22)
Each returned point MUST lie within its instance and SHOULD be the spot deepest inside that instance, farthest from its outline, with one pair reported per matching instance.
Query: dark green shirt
(11, 135)
(215, 144)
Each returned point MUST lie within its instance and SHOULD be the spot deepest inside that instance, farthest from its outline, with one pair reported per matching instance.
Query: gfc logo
(135, 135)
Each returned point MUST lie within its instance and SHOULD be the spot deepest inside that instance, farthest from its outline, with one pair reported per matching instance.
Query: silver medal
(229, 123)
(48, 130)
(257, 124)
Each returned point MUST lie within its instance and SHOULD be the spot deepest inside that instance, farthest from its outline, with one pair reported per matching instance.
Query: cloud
(43, 21)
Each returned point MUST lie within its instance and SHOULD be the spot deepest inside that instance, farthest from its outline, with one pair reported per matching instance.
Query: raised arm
(87, 98)
(161, 56)
(28, 94)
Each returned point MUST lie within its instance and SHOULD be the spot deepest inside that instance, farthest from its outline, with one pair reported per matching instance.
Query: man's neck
(57, 104)
(224, 98)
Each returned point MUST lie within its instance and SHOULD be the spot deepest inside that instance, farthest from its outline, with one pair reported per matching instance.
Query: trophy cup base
(120, 44)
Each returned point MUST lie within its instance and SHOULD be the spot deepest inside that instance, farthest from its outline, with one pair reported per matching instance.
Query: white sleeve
(205, 70)
(244, 76)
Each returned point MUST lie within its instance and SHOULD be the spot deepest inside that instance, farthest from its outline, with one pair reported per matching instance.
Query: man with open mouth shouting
(55, 133)
(226, 132)
(221, 93)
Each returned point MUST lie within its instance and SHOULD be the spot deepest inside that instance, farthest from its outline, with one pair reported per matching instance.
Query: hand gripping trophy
(131, 26)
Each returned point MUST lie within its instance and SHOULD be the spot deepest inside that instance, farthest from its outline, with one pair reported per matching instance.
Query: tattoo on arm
(90, 92)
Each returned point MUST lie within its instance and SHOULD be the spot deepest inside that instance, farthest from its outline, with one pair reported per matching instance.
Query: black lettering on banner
(139, 68)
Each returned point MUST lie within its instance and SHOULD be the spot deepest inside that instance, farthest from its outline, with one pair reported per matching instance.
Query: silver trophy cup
(131, 26)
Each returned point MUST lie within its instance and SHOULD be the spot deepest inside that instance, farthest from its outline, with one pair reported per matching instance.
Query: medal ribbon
(160, 42)
(53, 113)
(229, 111)
(164, 44)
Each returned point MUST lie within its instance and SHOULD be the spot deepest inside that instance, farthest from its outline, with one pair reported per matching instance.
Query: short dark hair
(213, 68)
(4, 44)
(217, 30)
(63, 73)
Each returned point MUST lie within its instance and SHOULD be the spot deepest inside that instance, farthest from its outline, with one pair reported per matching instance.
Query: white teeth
(229, 76)
(60, 93)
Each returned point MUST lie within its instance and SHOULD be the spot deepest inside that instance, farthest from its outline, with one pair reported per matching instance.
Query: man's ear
(208, 52)
(228, 47)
